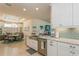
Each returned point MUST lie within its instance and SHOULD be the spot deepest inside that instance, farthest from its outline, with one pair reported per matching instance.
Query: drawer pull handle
(51, 44)
(72, 52)
(51, 41)
(72, 47)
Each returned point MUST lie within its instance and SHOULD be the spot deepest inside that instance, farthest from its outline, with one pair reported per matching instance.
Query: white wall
(38, 23)
(27, 27)
(33, 22)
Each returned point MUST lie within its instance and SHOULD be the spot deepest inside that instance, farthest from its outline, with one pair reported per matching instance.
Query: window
(10, 25)
(10, 17)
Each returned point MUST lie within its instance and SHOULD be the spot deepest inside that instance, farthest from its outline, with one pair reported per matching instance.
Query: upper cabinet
(76, 13)
(61, 14)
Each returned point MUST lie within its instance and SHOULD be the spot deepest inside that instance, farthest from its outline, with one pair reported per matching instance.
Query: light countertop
(45, 37)
(63, 40)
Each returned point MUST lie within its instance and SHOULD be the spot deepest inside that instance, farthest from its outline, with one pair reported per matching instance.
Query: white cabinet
(64, 49)
(76, 14)
(28, 42)
(61, 14)
(51, 48)
(32, 44)
(65, 14)
(75, 51)
(57, 48)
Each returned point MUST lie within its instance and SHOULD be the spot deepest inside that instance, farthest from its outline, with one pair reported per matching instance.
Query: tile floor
(15, 49)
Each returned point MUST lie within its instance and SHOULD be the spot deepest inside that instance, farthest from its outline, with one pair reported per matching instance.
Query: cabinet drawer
(52, 43)
(34, 44)
(75, 52)
(75, 47)
(51, 51)
(51, 48)
(64, 52)
(65, 45)
(64, 49)
(28, 42)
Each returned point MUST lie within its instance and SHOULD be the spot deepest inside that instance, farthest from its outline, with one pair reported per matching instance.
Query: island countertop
(45, 37)
(66, 40)
(63, 40)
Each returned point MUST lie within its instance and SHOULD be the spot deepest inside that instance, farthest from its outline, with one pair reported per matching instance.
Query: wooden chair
(6, 40)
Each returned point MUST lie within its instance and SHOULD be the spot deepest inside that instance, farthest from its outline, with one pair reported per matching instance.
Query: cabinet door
(61, 14)
(64, 49)
(28, 42)
(33, 44)
(51, 48)
(75, 51)
(76, 14)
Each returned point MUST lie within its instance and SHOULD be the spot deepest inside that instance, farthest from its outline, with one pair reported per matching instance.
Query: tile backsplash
(70, 33)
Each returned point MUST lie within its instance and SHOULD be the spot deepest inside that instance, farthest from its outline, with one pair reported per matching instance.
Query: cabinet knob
(74, 47)
(51, 41)
(51, 44)
(70, 46)
(72, 52)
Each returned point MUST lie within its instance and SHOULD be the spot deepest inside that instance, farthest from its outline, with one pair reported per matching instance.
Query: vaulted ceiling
(16, 9)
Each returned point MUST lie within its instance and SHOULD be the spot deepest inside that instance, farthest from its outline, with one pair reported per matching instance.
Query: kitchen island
(51, 46)
(38, 43)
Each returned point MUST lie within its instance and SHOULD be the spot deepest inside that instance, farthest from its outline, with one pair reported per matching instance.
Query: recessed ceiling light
(37, 9)
(24, 9)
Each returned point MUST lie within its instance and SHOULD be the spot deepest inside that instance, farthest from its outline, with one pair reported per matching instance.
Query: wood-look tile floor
(15, 49)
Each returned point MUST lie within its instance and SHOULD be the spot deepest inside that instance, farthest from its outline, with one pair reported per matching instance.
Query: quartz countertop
(63, 40)
(45, 37)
